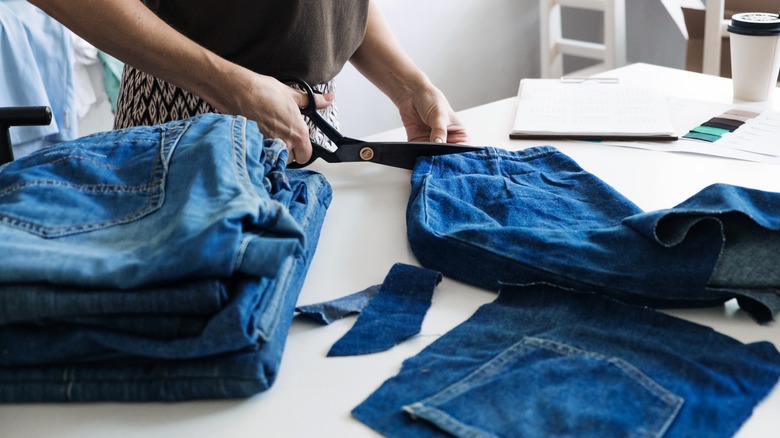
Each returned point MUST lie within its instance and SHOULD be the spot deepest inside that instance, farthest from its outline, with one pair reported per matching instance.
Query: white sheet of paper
(550, 106)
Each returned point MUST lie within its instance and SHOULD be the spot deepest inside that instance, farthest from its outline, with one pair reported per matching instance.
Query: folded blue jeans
(233, 375)
(545, 361)
(496, 216)
(234, 230)
(197, 198)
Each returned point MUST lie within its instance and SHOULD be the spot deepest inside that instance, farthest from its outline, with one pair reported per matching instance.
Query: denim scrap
(542, 360)
(393, 315)
(327, 312)
(497, 216)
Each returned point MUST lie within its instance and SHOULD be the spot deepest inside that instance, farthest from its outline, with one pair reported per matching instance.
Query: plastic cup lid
(755, 23)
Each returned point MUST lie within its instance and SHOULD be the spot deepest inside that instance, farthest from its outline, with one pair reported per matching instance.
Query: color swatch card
(745, 129)
(742, 132)
(591, 109)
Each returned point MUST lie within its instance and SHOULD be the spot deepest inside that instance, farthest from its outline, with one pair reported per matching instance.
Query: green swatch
(701, 136)
(710, 130)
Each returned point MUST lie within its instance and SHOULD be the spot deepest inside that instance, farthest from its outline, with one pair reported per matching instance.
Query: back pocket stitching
(494, 365)
(155, 189)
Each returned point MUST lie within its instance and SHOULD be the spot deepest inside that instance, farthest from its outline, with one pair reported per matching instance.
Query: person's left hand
(427, 116)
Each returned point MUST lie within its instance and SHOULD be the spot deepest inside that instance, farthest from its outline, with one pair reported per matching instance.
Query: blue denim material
(233, 375)
(535, 215)
(327, 312)
(103, 210)
(393, 315)
(208, 199)
(549, 362)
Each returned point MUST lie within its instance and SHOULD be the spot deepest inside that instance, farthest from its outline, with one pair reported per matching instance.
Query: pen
(579, 80)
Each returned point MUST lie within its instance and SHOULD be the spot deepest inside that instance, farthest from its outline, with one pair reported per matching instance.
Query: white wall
(476, 51)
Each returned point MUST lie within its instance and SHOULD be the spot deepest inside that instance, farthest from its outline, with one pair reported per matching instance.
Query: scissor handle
(317, 152)
(310, 110)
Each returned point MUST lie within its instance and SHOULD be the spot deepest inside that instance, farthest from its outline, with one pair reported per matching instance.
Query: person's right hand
(276, 109)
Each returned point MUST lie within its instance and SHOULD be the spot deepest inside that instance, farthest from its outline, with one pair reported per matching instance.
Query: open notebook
(591, 109)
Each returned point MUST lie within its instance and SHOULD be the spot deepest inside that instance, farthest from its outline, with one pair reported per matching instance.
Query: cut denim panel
(535, 215)
(545, 361)
(393, 315)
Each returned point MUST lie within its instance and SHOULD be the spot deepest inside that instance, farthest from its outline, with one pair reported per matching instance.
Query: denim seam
(239, 155)
(70, 384)
(266, 331)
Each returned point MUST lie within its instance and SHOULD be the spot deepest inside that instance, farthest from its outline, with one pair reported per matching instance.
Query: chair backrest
(19, 116)
(611, 53)
(714, 30)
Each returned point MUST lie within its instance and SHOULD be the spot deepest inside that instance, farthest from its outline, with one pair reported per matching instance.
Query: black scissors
(395, 154)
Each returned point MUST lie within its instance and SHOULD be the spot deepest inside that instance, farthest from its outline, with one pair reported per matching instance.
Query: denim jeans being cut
(543, 361)
(497, 216)
(152, 253)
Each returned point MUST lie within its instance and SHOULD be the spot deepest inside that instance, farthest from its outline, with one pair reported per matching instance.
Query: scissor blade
(398, 154)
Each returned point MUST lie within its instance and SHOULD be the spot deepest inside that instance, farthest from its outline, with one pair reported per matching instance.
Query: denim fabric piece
(46, 303)
(393, 315)
(235, 375)
(535, 215)
(211, 184)
(239, 325)
(333, 310)
(544, 361)
(123, 343)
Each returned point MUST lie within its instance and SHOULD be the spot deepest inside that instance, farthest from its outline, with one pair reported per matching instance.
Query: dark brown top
(309, 39)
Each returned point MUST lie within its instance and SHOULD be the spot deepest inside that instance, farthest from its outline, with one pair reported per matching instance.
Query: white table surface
(363, 236)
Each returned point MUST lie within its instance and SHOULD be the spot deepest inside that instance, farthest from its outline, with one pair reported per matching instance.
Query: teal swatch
(702, 136)
(710, 130)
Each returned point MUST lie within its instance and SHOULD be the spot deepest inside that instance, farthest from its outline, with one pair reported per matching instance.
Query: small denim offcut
(328, 312)
(389, 313)
(545, 361)
(497, 216)
(395, 314)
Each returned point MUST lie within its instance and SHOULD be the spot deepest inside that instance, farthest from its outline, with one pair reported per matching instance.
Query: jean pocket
(90, 183)
(545, 388)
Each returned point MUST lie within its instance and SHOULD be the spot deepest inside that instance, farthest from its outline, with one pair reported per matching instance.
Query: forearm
(383, 62)
(132, 33)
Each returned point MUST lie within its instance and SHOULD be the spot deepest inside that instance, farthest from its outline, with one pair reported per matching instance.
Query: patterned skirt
(146, 100)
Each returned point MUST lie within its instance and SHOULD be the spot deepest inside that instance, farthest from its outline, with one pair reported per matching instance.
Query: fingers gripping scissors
(395, 154)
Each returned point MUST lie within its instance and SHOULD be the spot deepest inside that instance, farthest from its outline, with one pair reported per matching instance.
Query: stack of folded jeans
(152, 263)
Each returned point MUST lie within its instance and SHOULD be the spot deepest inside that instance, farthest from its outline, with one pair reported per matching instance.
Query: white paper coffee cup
(755, 54)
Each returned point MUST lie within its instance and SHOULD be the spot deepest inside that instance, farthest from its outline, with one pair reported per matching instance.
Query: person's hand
(276, 109)
(427, 116)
